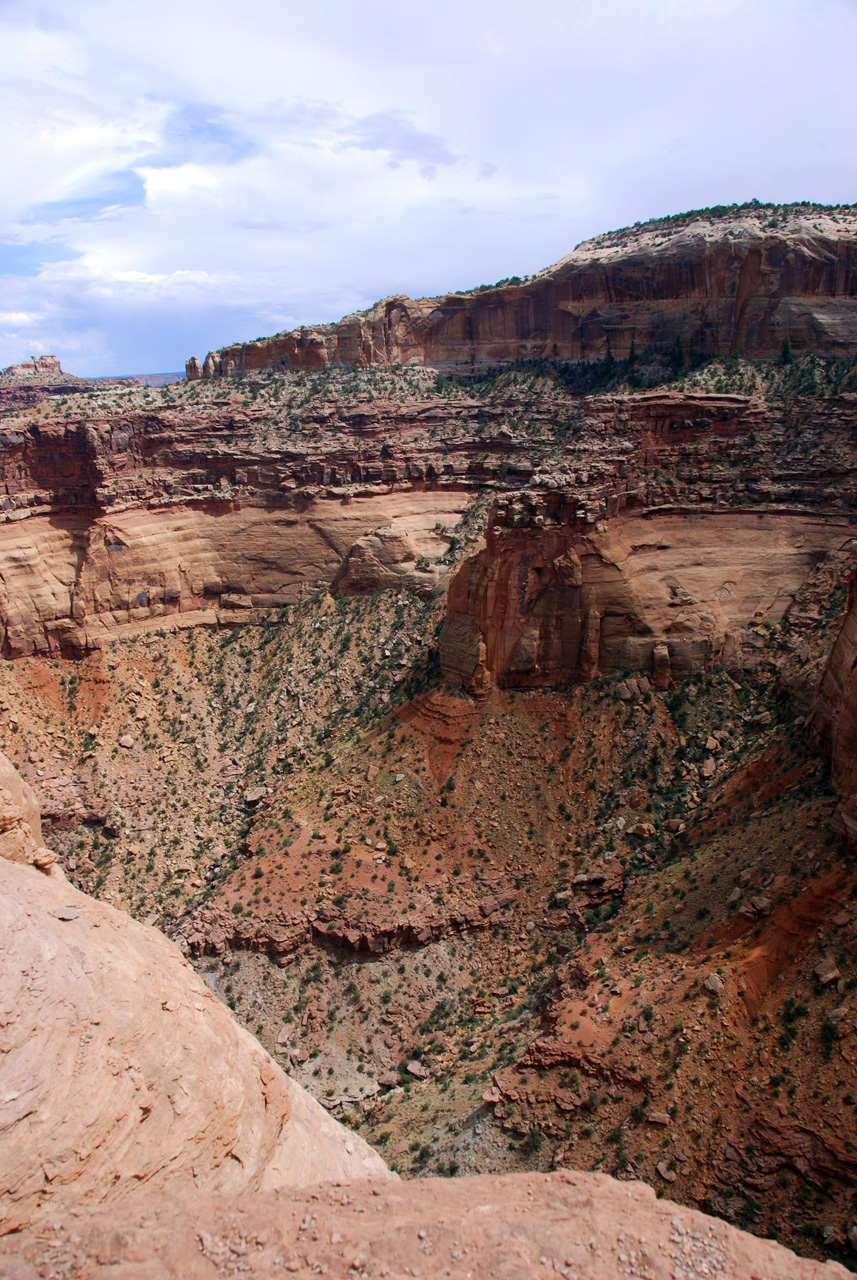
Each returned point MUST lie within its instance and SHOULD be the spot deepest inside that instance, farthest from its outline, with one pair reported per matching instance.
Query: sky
(180, 175)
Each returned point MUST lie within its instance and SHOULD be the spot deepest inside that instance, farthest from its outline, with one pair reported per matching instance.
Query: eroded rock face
(121, 1070)
(208, 511)
(36, 369)
(723, 285)
(833, 718)
(667, 557)
(38, 379)
(568, 1223)
(279, 936)
(543, 605)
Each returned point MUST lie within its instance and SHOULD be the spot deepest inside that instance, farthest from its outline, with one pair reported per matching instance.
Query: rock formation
(545, 605)
(608, 574)
(740, 280)
(639, 843)
(20, 825)
(142, 1132)
(574, 1225)
(833, 719)
(118, 516)
(121, 1071)
(38, 379)
(111, 525)
(38, 369)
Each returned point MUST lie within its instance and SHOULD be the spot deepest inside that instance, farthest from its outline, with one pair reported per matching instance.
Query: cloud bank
(182, 176)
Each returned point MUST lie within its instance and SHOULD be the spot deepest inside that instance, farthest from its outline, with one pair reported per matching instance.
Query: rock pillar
(661, 669)
(590, 645)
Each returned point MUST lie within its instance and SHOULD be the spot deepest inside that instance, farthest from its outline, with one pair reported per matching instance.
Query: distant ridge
(145, 379)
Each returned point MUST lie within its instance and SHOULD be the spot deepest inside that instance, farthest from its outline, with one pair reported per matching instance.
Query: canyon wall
(112, 523)
(622, 522)
(738, 283)
(38, 379)
(678, 555)
(552, 602)
(833, 718)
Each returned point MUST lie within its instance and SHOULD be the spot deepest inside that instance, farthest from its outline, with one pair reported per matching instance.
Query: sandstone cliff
(740, 281)
(612, 574)
(540, 786)
(121, 1070)
(38, 379)
(20, 824)
(211, 506)
(38, 369)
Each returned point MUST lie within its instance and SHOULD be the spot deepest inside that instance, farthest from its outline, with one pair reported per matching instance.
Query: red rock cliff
(833, 719)
(742, 282)
(606, 571)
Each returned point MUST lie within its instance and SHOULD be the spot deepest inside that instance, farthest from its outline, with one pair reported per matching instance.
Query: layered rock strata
(386, 928)
(674, 554)
(743, 281)
(126, 519)
(112, 524)
(37, 379)
(546, 605)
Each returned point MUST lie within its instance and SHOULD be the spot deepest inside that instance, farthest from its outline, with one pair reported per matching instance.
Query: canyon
(120, 1107)
(472, 725)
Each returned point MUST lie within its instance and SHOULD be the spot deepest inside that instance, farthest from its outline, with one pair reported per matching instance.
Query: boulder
(826, 972)
(254, 795)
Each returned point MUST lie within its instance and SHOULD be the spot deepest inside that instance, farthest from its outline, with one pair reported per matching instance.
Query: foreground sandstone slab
(569, 1224)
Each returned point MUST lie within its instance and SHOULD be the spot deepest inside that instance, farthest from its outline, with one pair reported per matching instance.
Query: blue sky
(181, 175)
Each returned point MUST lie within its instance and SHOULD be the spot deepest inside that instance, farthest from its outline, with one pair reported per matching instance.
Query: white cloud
(211, 177)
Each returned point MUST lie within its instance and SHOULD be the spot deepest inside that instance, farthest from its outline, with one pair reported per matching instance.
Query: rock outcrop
(567, 1223)
(39, 369)
(20, 825)
(121, 1071)
(38, 379)
(741, 280)
(544, 605)
(388, 926)
(112, 525)
(609, 572)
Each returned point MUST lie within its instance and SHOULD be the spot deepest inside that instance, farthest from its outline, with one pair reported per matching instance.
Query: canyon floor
(591, 924)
